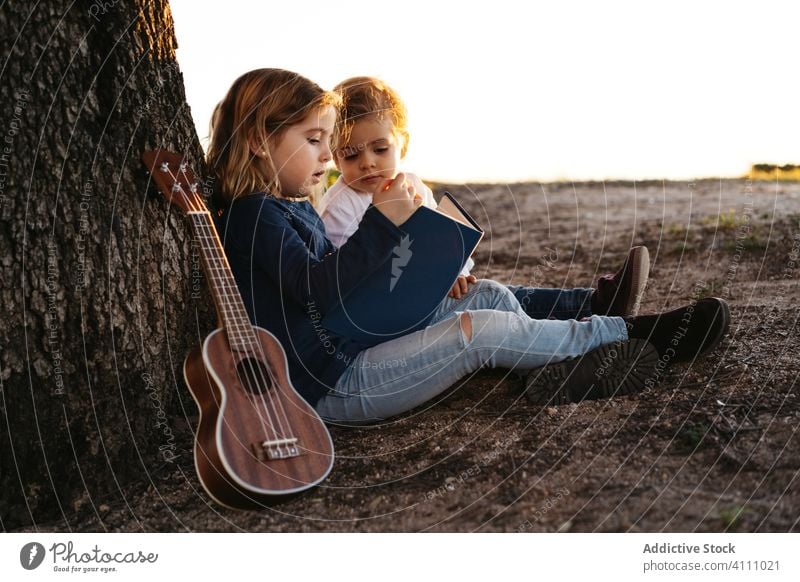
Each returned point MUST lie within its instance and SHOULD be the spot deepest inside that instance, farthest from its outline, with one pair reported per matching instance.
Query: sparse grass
(725, 222)
(676, 230)
(683, 243)
(734, 232)
(746, 240)
(691, 438)
(731, 517)
(710, 289)
(680, 248)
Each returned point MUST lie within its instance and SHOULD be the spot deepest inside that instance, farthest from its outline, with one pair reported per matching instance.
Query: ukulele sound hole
(254, 375)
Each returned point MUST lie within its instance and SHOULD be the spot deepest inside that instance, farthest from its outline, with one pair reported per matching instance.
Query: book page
(447, 208)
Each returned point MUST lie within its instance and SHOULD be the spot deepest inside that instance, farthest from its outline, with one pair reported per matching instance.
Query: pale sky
(504, 91)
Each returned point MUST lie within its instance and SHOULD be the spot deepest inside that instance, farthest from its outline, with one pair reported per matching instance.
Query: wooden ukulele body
(234, 460)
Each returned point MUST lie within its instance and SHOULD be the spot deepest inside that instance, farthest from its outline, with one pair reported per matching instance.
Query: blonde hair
(261, 103)
(364, 97)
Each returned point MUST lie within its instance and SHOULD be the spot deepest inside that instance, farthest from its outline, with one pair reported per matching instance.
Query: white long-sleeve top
(342, 208)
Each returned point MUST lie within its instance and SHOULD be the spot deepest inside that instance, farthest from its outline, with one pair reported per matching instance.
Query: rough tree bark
(100, 300)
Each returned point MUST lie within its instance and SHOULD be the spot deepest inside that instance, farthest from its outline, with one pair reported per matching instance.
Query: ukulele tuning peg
(176, 187)
(183, 166)
(164, 167)
(193, 187)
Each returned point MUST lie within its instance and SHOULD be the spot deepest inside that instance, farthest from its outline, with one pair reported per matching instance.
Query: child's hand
(396, 200)
(461, 286)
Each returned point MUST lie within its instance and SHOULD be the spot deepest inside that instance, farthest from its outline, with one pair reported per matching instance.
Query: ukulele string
(233, 333)
(254, 346)
(198, 205)
(276, 398)
(256, 371)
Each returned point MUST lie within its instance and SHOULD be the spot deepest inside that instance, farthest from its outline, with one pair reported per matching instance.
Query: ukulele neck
(231, 312)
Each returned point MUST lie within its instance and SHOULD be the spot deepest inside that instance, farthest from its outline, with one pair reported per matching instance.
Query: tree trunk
(99, 296)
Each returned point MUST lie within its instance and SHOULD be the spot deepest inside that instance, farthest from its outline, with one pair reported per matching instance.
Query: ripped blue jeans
(401, 374)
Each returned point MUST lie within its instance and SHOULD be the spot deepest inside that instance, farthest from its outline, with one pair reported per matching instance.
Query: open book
(400, 296)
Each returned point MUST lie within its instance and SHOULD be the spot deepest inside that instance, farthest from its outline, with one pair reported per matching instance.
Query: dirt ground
(713, 448)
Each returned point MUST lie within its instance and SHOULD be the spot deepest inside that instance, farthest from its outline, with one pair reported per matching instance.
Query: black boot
(685, 333)
(626, 367)
(622, 367)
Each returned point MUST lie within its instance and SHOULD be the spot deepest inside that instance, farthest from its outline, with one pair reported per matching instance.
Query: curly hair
(364, 97)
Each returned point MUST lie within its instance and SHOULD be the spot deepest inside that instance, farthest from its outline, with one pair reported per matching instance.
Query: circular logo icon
(31, 555)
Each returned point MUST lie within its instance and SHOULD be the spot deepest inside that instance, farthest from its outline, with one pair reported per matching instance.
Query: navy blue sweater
(289, 275)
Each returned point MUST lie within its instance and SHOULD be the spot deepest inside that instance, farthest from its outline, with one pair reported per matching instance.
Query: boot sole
(613, 369)
(725, 314)
(640, 271)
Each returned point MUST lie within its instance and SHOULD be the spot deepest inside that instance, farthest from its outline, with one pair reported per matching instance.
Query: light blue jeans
(398, 375)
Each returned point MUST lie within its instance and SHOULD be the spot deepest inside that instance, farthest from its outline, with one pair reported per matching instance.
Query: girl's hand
(461, 286)
(396, 200)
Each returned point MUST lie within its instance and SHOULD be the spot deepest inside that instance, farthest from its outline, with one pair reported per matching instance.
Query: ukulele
(257, 440)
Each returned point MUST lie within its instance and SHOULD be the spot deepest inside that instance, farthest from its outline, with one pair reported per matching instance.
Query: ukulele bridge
(276, 449)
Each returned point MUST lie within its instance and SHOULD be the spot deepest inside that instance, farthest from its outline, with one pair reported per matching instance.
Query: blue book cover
(400, 296)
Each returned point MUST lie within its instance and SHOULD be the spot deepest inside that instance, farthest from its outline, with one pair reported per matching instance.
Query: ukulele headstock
(175, 179)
